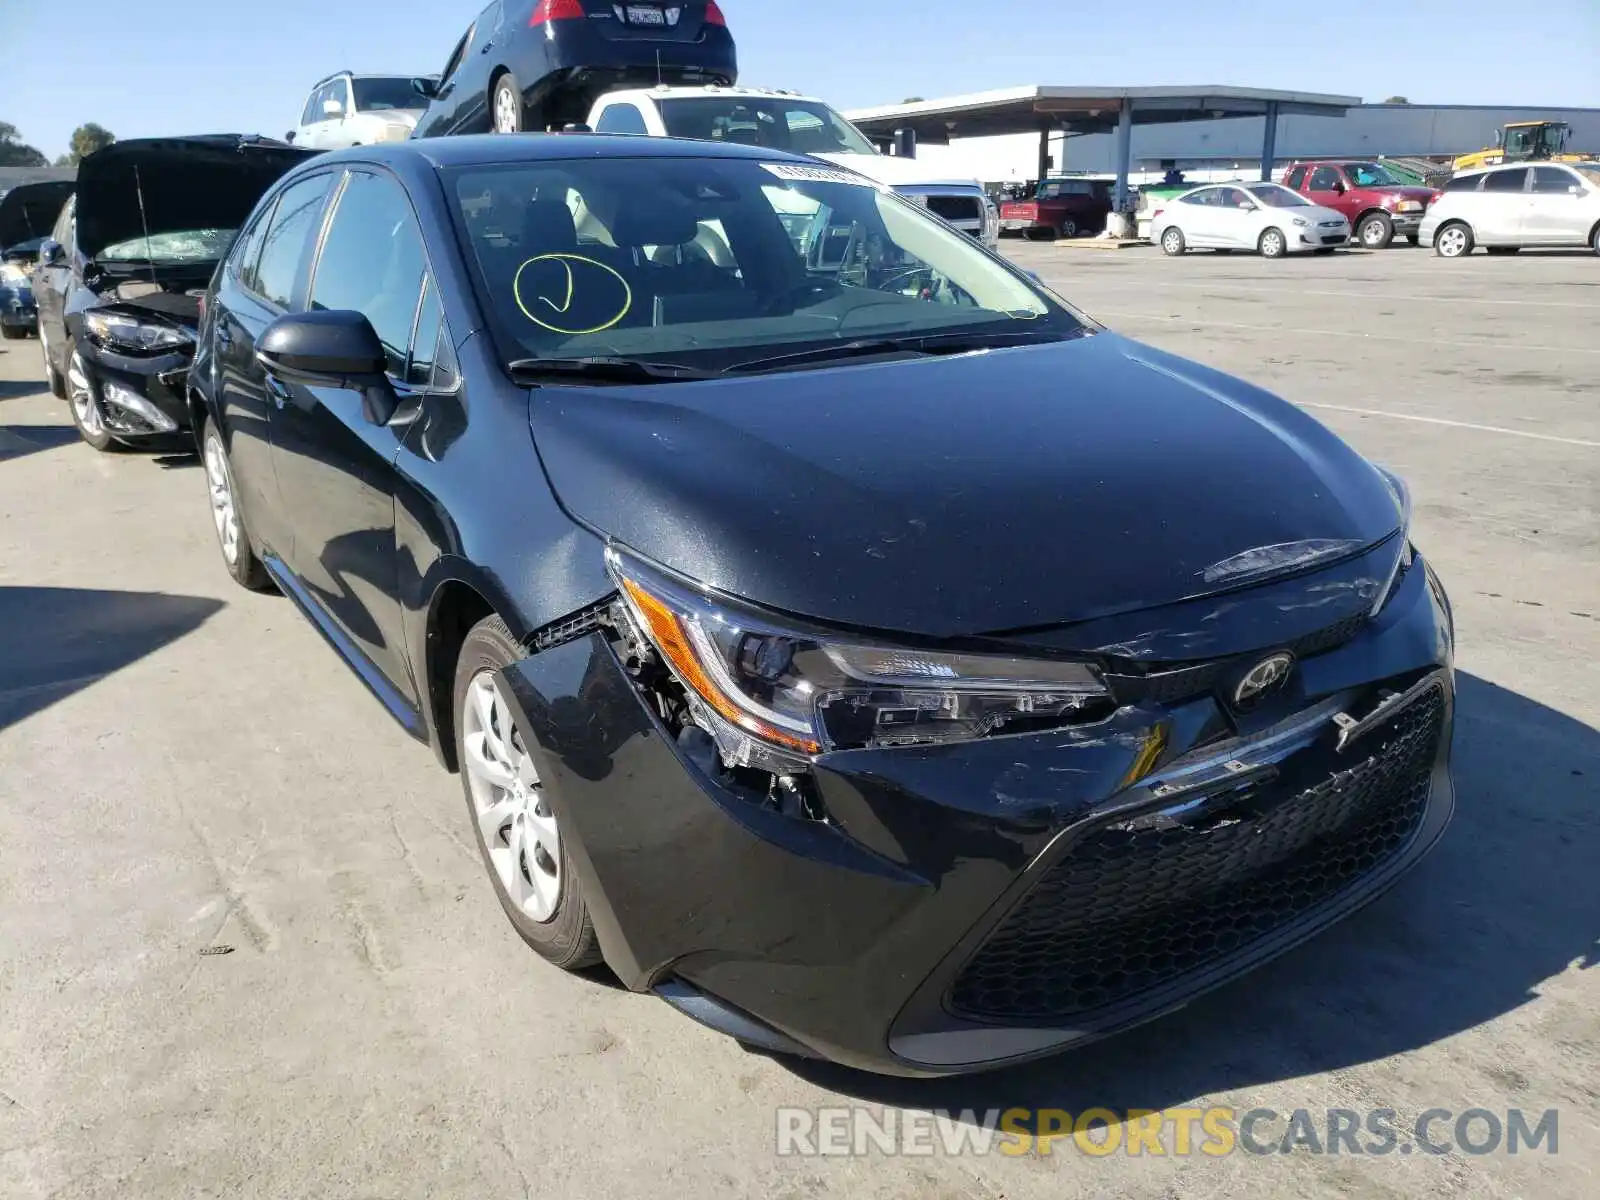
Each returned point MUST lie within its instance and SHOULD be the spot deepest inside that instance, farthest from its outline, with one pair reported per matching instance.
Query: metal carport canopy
(1046, 109)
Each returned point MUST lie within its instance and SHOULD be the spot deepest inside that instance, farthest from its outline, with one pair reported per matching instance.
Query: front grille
(956, 208)
(1128, 910)
(1337, 239)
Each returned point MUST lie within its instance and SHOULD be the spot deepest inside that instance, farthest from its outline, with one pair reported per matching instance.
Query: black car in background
(119, 280)
(537, 64)
(28, 213)
(875, 658)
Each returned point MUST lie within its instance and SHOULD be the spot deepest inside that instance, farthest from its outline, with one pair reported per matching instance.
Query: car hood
(29, 211)
(399, 116)
(168, 185)
(1317, 212)
(1405, 191)
(899, 172)
(980, 494)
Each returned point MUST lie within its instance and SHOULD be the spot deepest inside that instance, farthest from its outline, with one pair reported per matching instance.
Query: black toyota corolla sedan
(837, 633)
(119, 281)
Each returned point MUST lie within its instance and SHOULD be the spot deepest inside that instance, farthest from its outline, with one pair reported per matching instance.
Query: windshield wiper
(921, 344)
(604, 369)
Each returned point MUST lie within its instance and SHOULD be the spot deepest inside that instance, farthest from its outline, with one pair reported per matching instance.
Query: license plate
(646, 16)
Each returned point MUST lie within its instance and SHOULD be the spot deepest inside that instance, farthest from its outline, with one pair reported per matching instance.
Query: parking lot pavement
(186, 770)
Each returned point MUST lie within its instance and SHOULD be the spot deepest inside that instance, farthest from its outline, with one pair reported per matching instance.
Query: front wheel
(85, 406)
(233, 537)
(1172, 241)
(1453, 241)
(1273, 244)
(1376, 231)
(518, 834)
(506, 105)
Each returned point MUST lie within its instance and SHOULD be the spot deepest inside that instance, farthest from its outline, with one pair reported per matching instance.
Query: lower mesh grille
(1127, 910)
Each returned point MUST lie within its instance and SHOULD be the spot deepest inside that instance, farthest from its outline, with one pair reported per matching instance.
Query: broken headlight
(1402, 562)
(131, 335)
(771, 691)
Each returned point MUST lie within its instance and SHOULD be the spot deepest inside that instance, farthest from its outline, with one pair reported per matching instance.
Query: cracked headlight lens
(769, 691)
(120, 331)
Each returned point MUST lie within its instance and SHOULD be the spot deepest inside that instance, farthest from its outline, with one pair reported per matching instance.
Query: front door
(1556, 214)
(335, 466)
(1329, 188)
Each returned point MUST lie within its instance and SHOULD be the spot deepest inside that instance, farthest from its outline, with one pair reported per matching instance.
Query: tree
(86, 139)
(1397, 100)
(14, 152)
(64, 160)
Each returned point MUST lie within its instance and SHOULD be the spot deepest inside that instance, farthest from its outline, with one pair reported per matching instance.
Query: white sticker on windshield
(817, 174)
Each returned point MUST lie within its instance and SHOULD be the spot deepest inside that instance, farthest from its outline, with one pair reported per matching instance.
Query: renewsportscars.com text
(1173, 1132)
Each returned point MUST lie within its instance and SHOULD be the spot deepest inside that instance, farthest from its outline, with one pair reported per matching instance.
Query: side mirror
(332, 108)
(338, 349)
(1339, 187)
(289, 137)
(52, 253)
(425, 87)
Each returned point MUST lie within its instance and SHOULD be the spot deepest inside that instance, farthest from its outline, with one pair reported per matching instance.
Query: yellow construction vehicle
(1520, 141)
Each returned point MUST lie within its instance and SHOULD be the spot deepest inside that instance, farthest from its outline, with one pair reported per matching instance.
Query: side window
(1506, 181)
(283, 249)
(1325, 179)
(1235, 198)
(1295, 178)
(63, 230)
(373, 262)
(622, 118)
(313, 112)
(1553, 179)
(426, 339)
(1208, 198)
(247, 247)
(1463, 183)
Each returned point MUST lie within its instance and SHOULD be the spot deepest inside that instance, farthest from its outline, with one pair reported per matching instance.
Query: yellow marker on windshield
(581, 274)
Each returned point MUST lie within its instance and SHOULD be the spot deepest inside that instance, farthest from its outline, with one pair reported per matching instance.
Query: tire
(1501, 249)
(1594, 239)
(233, 535)
(1453, 240)
(1172, 241)
(548, 908)
(83, 406)
(57, 382)
(1069, 228)
(1375, 231)
(1273, 243)
(506, 113)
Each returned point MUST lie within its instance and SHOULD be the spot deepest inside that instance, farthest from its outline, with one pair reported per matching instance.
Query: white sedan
(1266, 217)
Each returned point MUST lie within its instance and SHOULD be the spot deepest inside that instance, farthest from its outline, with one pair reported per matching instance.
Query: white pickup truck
(802, 125)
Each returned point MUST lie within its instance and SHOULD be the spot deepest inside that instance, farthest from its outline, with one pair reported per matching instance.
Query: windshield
(798, 126)
(186, 246)
(376, 95)
(1369, 175)
(707, 262)
(1277, 196)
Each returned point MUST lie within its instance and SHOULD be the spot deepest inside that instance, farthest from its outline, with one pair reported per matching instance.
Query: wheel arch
(1371, 211)
(1594, 233)
(455, 607)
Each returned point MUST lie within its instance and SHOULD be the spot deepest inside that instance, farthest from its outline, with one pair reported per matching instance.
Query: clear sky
(149, 67)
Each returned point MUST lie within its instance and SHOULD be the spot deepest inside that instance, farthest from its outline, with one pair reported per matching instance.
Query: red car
(1379, 205)
(1063, 207)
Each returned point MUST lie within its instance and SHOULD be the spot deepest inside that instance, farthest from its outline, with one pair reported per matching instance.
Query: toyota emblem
(1265, 677)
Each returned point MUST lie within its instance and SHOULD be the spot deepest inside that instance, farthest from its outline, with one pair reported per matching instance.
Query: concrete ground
(186, 768)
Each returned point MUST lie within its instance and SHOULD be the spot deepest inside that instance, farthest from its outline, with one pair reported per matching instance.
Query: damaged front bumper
(142, 399)
(950, 908)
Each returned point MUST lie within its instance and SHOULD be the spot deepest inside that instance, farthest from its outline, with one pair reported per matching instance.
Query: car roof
(495, 149)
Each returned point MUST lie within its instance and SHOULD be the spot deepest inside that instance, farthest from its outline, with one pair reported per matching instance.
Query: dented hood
(170, 185)
(972, 495)
(28, 212)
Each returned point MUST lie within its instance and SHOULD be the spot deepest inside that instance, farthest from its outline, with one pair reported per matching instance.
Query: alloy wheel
(506, 117)
(1172, 241)
(223, 514)
(1372, 234)
(81, 397)
(514, 815)
(1452, 243)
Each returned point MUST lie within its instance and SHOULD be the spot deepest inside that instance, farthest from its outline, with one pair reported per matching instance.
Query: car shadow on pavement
(19, 441)
(57, 641)
(1508, 899)
(11, 389)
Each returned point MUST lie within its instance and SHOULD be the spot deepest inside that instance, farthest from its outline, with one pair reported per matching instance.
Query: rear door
(1502, 207)
(1197, 216)
(1556, 214)
(335, 467)
(261, 280)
